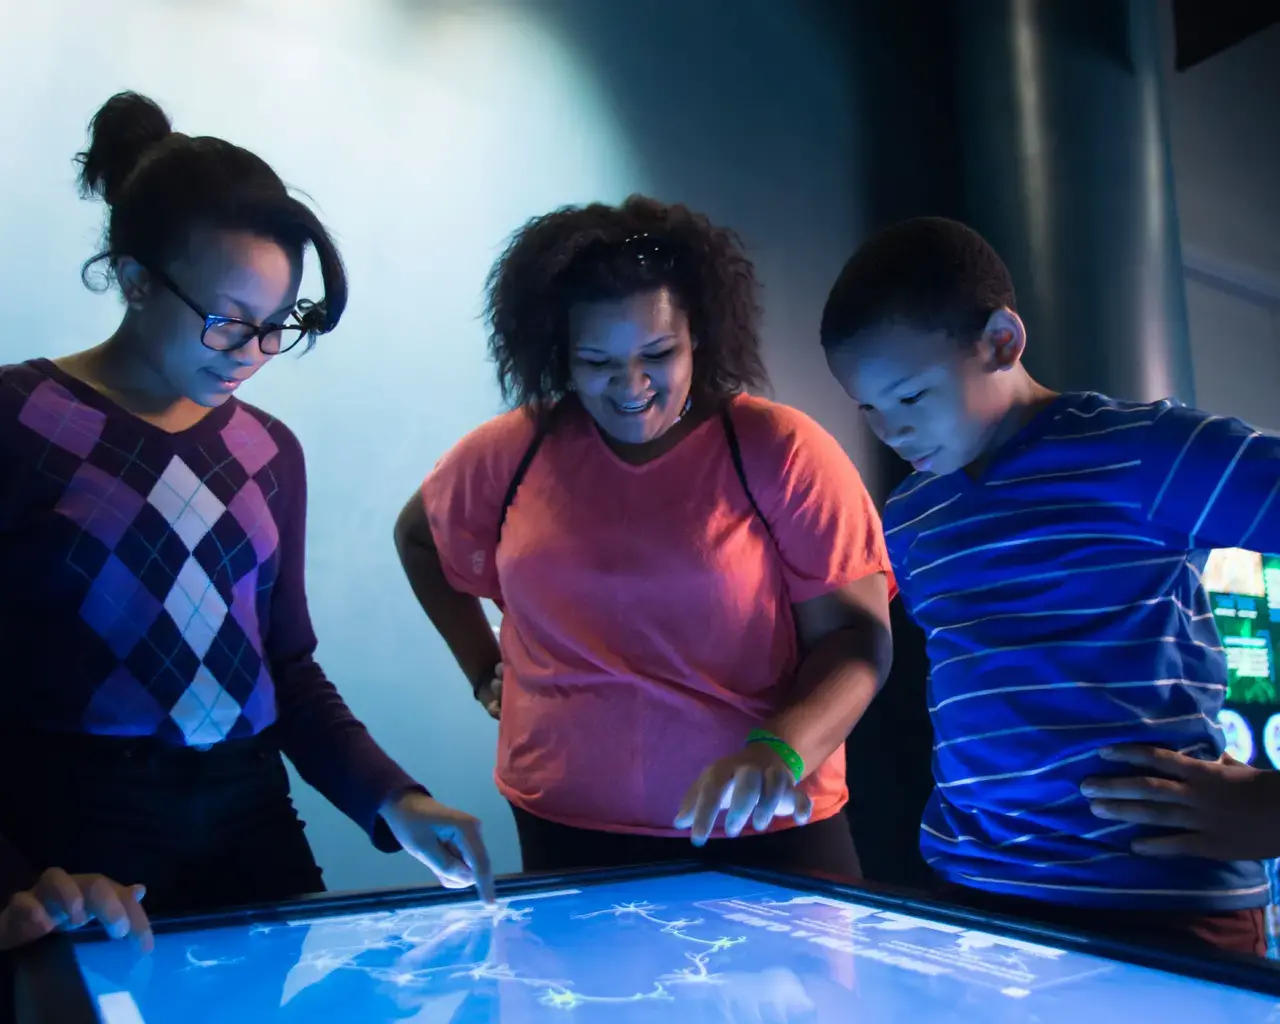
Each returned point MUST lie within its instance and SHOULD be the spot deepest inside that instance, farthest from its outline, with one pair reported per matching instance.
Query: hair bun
(120, 133)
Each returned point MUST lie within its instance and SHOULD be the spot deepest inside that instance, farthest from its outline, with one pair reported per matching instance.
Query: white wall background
(1226, 158)
(426, 132)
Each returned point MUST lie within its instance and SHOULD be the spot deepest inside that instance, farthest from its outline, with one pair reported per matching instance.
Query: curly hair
(588, 254)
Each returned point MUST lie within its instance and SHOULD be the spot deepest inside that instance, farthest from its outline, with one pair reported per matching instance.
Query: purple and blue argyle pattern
(176, 549)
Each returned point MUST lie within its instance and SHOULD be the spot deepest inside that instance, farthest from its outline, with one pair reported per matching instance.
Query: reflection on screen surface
(692, 948)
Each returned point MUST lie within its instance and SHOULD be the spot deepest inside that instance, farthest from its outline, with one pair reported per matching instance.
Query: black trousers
(203, 830)
(824, 847)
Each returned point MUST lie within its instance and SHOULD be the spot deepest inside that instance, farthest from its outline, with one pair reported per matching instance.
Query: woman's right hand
(490, 694)
(60, 902)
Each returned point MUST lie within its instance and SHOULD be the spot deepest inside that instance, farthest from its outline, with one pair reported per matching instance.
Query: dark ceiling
(1207, 27)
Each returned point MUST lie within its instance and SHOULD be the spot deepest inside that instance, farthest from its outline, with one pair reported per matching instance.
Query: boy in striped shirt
(1050, 546)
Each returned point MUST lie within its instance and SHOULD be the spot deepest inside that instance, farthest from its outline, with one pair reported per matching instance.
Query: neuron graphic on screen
(421, 934)
(429, 951)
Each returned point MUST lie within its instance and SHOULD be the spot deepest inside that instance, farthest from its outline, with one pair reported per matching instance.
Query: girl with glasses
(157, 651)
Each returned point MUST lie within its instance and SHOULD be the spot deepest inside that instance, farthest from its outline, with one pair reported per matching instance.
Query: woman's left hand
(754, 785)
(446, 840)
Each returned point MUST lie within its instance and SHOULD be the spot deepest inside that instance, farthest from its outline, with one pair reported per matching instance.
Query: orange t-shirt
(647, 614)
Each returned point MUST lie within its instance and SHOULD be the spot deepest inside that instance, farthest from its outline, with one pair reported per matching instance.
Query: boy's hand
(1223, 810)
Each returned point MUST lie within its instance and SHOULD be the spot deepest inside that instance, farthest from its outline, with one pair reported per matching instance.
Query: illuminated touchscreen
(681, 950)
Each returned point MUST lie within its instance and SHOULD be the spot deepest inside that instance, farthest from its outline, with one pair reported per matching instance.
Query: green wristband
(793, 761)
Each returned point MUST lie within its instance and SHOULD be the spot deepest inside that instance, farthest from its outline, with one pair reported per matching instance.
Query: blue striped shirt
(1061, 600)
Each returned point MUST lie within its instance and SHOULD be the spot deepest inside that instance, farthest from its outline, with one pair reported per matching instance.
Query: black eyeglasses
(228, 333)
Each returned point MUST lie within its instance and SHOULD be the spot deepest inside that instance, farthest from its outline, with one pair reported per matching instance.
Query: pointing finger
(470, 844)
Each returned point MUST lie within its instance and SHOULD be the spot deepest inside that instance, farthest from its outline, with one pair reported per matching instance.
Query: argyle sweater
(152, 584)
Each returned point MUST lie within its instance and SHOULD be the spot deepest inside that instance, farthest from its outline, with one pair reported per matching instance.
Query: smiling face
(631, 362)
(935, 400)
(227, 273)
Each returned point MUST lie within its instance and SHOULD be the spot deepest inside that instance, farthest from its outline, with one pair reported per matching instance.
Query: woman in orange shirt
(693, 580)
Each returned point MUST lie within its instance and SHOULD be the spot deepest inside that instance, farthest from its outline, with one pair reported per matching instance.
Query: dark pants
(824, 847)
(1237, 931)
(201, 829)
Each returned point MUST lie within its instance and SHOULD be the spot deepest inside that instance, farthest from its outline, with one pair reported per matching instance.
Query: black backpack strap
(540, 434)
(735, 452)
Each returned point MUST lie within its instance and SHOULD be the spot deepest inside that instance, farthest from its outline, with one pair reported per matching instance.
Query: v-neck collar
(589, 425)
(214, 421)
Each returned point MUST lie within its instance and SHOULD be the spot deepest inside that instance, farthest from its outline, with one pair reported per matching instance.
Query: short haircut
(929, 273)
(160, 185)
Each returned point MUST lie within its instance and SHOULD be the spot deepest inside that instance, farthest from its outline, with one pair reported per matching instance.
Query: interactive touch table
(680, 946)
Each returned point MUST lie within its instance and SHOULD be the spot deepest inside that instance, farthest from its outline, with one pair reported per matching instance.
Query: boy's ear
(1004, 339)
